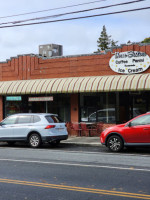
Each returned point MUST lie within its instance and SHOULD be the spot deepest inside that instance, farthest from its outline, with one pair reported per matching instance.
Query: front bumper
(102, 140)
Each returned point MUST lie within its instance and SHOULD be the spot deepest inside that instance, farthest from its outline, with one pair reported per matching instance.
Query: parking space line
(78, 165)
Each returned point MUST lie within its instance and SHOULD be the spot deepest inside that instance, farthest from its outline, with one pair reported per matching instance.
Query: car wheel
(34, 140)
(115, 143)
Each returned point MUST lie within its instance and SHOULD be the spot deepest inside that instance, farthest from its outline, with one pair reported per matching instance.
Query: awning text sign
(31, 99)
(129, 62)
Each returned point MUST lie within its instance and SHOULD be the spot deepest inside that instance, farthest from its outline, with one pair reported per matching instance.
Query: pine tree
(113, 43)
(104, 41)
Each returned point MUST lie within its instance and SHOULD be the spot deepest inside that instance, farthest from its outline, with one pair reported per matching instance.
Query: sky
(76, 36)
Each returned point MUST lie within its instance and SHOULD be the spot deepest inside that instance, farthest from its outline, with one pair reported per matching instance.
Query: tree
(146, 40)
(105, 41)
(113, 43)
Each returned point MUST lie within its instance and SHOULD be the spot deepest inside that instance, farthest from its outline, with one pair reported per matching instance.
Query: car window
(143, 120)
(10, 120)
(24, 119)
(101, 113)
(36, 119)
(111, 113)
(56, 119)
(52, 119)
(93, 115)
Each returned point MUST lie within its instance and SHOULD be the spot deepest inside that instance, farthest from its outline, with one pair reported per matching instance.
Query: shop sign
(30, 99)
(13, 98)
(129, 62)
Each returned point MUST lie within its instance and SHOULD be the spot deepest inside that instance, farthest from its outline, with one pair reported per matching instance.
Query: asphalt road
(72, 172)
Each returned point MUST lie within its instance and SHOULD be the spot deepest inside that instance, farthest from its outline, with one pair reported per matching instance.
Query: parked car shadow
(73, 147)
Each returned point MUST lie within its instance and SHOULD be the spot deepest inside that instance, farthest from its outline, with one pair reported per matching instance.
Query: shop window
(15, 104)
(106, 115)
(60, 106)
(139, 105)
(12, 107)
(98, 107)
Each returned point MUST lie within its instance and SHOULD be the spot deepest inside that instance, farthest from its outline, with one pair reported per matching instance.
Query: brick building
(95, 87)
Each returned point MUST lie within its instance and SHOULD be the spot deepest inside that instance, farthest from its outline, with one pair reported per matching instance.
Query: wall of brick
(26, 67)
(32, 67)
(74, 108)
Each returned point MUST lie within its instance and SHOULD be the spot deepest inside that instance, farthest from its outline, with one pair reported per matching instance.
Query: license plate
(60, 129)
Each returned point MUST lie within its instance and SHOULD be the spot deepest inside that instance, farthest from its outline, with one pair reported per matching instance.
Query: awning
(136, 82)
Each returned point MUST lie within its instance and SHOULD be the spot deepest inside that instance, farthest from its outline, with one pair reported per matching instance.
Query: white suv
(33, 128)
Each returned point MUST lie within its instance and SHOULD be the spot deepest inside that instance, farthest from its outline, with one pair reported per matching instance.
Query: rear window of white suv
(52, 119)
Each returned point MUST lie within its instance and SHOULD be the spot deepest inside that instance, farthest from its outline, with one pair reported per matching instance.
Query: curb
(83, 145)
(82, 141)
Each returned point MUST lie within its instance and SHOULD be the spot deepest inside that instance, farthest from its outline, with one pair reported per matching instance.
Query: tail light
(50, 126)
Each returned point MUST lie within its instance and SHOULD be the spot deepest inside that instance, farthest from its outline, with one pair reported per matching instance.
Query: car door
(138, 130)
(22, 127)
(7, 127)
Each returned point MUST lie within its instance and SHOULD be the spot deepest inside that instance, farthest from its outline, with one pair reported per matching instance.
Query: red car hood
(115, 127)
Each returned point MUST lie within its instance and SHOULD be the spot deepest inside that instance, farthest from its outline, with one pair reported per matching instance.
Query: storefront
(59, 104)
(113, 107)
(111, 87)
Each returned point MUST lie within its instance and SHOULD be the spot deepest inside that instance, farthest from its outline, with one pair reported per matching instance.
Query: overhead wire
(74, 12)
(75, 18)
(51, 9)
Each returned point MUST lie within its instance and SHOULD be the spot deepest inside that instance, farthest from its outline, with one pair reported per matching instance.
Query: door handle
(146, 128)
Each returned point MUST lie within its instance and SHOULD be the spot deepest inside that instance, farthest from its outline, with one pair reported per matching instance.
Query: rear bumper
(54, 138)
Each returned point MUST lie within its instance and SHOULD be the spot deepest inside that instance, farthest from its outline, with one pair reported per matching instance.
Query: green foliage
(104, 41)
(146, 40)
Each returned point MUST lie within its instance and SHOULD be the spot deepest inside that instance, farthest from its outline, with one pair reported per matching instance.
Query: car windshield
(9, 120)
(141, 120)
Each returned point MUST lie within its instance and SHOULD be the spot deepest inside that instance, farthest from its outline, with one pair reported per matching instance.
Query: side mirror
(1, 124)
(129, 124)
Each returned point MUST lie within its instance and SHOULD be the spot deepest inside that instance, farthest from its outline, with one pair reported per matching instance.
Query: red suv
(135, 132)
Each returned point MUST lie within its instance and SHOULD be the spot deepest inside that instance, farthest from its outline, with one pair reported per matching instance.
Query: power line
(68, 19)
(53, 9)
(75, 12)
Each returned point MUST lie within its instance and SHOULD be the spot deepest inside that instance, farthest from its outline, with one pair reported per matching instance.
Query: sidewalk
(82, 141)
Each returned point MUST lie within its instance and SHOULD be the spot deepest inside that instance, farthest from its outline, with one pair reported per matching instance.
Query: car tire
(34, 140)
(115, 143)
